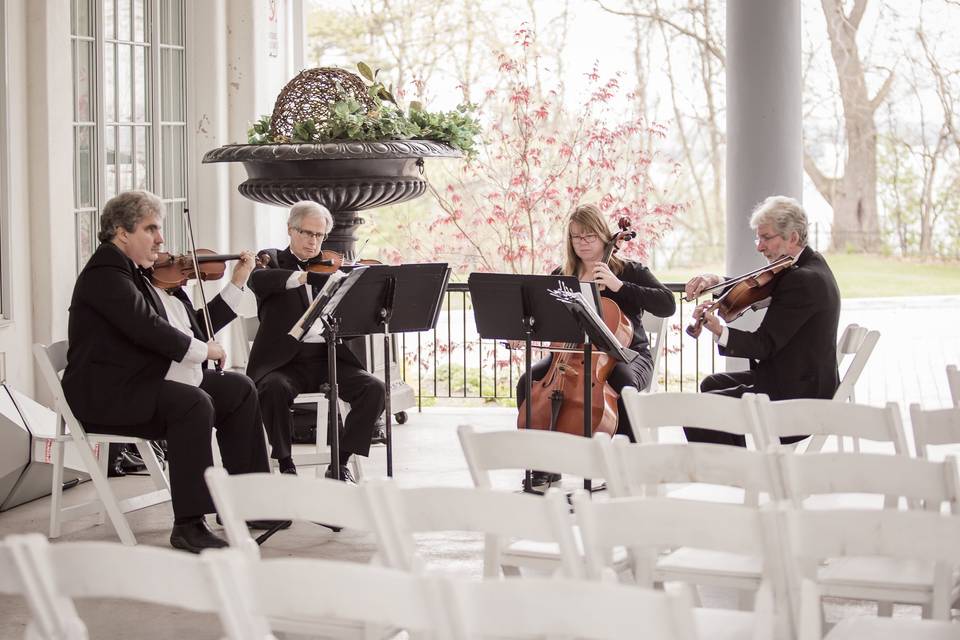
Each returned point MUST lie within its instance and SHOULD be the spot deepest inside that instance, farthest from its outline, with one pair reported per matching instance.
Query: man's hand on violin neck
(697, 284)
(244, 268)
(215, 352)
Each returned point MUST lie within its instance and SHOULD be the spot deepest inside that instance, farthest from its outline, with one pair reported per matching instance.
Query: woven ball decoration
(311, 94)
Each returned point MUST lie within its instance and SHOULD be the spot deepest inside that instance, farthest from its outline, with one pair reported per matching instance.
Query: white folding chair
(656, 329)
(936, 432)
(843, 480)
(815, 537)
(531, 449)
(51, 361)
(69, 571)
(694, 470)
(44, 624)
(265, 496)
(825, 481)
(649, 413)
(953, 381)
(501, 516)
(860, 627)
(552, 608)
(813, 417)
(332, 599)
(320, 457)
(649, 526)
(858, 342)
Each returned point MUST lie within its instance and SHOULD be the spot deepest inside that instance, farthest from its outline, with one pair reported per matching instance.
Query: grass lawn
(867, 276)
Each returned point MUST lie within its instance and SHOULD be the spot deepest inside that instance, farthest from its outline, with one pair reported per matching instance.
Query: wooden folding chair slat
(920, 482)
(501, 516)
(651, 412)
(815, 417)
(540, 608)
(330, 598)
(953, 381)
(254, 496)
(935, 428)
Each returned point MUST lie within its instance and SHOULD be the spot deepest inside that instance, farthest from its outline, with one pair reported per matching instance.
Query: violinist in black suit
(793, 353)
(134, 364)
(282, 367)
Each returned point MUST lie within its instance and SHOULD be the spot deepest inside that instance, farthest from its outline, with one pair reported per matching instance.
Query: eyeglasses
(319, 236)
(586, 237)
(765, 239)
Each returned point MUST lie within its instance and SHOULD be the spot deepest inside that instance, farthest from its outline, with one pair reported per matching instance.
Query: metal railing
(451, 363)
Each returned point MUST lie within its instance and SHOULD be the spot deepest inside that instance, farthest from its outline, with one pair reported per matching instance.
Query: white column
(764, 118)
(50, 140)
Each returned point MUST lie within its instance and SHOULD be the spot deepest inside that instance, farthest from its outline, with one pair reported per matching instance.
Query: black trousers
(634, 374)
(364, 391)
(733, 385)
(185, 416)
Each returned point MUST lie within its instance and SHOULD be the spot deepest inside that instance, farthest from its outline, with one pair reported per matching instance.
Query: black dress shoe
(544, 478)
(195, 537)
(263, 524)
(345, 475)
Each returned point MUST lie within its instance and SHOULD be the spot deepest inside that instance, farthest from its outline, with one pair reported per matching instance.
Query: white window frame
(6, 306)
(153, 121)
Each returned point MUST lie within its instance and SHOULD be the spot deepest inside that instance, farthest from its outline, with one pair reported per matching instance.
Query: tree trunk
(853, 195)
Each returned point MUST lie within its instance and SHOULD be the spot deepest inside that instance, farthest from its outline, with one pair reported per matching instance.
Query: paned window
(129, 110)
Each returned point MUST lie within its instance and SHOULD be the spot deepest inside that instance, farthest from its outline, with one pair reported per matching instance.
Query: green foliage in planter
(388, 120)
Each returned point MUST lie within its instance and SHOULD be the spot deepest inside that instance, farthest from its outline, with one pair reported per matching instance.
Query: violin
(557, 399)
(746, 292)
(328, 261)
(172, 271)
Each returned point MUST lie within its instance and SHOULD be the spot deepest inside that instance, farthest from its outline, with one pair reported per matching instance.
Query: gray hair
(126, 210)
(304, 208)
(784, 214)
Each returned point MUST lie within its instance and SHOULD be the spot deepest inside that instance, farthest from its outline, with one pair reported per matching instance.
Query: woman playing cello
(630, 284)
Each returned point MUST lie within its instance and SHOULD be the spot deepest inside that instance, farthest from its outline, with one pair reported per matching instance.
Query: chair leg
(105, 493)
(56, 488)
(149, 457)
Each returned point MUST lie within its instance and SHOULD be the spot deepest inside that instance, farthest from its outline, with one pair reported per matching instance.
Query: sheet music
(579, 300)
(330, 295)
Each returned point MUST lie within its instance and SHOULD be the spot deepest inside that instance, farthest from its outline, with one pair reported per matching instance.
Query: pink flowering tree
(506, 210)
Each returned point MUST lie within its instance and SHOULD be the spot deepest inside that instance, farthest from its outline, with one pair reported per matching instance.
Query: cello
(558, 398)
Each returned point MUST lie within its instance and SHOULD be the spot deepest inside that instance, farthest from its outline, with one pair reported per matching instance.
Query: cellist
(630, 284)
(793, 351)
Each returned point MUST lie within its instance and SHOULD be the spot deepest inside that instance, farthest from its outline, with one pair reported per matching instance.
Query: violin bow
(196, 270)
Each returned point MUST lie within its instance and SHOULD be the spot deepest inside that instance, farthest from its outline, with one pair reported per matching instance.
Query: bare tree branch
(823, 184)
(657, 16)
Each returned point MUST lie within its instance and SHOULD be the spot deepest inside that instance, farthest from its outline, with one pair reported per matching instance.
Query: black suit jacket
(278, 309)
(120, 343)
(794, 351)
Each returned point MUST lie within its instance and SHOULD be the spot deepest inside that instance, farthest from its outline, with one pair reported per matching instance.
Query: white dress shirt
(188, 370)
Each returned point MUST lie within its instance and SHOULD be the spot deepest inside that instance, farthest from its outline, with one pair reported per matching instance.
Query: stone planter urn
(346, 177)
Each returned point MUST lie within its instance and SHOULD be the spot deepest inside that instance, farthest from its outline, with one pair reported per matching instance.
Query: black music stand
(524, 307)
(377, 299)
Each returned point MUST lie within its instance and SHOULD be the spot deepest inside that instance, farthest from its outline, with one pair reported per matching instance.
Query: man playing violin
(135, 364)
(793, 351)
(282, 367)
